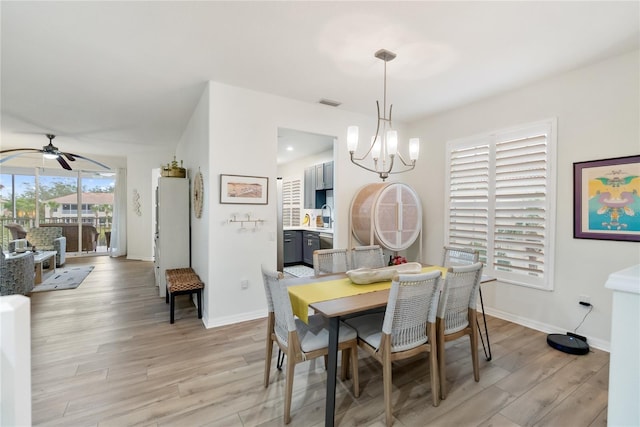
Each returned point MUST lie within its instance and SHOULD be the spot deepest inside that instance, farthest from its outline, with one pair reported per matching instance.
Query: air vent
(329, 102)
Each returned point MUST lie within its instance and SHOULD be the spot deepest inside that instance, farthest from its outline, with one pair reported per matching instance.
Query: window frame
(487, 144)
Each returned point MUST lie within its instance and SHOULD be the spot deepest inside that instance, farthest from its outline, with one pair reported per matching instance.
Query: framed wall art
(244, 190)
(606, 199)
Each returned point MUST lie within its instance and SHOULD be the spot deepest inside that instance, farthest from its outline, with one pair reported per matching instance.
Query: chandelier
(383, 148)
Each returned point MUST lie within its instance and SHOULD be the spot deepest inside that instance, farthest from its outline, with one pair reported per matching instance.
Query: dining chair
(301, 341)
(406, 328)
(268, 276)
(457, 315)
(452, 256)
(328, 261)
(367, 257)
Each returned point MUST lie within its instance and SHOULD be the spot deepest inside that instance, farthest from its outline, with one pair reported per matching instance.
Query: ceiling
(114, 77)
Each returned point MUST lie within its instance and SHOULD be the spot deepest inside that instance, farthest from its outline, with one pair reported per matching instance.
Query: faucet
(330, 215)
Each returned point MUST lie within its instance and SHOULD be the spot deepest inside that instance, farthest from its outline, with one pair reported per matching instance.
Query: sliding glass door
(81, 202)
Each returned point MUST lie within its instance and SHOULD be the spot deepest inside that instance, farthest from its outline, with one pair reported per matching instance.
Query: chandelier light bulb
(352, 138)
(392, 142)
(414, 148)
(50, 156)
(377, 147)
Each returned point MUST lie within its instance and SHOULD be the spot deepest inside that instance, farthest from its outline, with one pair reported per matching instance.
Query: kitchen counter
(316, 229)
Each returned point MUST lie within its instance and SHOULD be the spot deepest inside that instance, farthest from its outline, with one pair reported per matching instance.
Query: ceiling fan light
(50, 156)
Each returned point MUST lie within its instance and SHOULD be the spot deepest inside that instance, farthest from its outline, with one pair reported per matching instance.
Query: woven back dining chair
(305, 341)
(407, 328)
(457, 315)
(267, 277)
(328, 261)
(367, 257)
(452, 256)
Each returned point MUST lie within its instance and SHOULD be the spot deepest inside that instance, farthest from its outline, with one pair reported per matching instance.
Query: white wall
(193, 149)
(598, 117)
(140, 228)
(244, 128)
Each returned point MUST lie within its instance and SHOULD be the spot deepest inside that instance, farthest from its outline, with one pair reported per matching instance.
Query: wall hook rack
(256, 222)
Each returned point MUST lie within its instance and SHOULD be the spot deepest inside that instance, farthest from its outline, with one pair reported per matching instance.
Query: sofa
(16, 273)
(46, 239)
(70, 231)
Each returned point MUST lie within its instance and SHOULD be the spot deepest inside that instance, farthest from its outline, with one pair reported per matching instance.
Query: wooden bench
(183, 281)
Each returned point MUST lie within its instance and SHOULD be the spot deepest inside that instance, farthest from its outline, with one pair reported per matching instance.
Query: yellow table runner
(302, 296)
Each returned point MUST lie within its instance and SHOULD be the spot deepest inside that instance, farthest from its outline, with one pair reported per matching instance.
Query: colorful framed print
(606, 199)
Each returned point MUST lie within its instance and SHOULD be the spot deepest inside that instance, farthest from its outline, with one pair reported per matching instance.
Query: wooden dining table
(335, 308)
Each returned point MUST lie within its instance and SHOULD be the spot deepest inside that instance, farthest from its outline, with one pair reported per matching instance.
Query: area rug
(299, 271)
(64, 278)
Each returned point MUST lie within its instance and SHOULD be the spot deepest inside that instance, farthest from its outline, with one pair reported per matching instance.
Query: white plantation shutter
(469, 197)
(291, 201)
(501, 201)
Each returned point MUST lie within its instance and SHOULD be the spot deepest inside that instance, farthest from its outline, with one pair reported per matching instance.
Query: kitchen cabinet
(317, 179)
(310, 243)
(310, 188)
(327, 173)
(292, 247)
(324, 176)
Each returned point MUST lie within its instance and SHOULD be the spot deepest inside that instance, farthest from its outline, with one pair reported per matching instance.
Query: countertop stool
(183, 281)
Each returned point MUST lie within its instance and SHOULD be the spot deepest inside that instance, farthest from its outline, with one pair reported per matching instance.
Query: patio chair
(17, 231)
(16, 273)
(49, 239)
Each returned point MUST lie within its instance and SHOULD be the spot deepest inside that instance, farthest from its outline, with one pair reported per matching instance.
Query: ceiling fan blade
(22, 151)
(63, 163)
(34, 150)
(69, 157)
(90, 160)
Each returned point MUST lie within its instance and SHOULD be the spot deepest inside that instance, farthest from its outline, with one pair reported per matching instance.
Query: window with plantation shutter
(501, 201)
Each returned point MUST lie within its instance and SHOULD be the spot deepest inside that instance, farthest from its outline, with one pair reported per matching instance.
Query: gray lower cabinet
(292, 247)
(310, 243)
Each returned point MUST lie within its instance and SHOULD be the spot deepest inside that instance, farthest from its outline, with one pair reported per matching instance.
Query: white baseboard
(137, 258)
(529, 323)
(229, 320)
(542, 327)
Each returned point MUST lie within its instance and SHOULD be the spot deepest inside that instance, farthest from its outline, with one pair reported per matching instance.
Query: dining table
(334, 296)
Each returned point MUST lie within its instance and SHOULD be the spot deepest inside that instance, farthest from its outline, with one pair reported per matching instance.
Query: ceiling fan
(51, 152)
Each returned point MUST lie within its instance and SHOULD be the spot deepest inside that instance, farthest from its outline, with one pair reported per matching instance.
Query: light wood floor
(105, 354)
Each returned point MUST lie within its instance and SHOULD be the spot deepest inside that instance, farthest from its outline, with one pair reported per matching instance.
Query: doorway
(300, 201)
